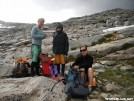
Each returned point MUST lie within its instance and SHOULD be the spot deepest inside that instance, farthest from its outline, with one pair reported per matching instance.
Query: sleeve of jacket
(66, 44)
(34, 35)
(76, 62)
(53, 42)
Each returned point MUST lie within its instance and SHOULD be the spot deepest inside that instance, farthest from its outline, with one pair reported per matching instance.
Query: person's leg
(90, 78)
(37, 69)
(38, 66)
(62, 61)
(63, 69)
(82, 73)
(34, 64)
(57, 62)
(58, 68)
(90, 75)
(32, 68)
(38, 61)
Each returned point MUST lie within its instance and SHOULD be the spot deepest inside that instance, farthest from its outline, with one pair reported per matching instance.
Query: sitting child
(45, 61)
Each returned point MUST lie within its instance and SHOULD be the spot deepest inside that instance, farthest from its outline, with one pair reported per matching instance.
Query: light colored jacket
(37, 35)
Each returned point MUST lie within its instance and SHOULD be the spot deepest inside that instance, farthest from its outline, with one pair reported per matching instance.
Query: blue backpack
(75, 85)
(69, 76)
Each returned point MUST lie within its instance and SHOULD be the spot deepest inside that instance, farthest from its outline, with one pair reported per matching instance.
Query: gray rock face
(6, 69)
(110, 87)
(127, 68)
(108, 63)
(105, 48)
(126, 23)
(22, 42)
(31, 89)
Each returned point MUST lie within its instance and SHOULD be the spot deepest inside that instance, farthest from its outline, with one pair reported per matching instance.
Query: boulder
(31, 89)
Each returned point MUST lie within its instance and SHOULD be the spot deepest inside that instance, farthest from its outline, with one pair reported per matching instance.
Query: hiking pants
(36, 49)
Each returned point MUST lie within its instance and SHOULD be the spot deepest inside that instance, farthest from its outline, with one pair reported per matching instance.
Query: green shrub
(73, 48)
(122, 78)
(108, 35)
(130, 92)
(102, 40)
(127, 45)
(71, 58)
(94, 43)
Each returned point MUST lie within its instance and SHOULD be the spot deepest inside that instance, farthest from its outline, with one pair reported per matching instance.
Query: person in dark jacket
(84, 63)
(60, 47)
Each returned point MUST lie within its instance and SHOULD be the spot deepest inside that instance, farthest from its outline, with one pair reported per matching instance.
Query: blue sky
(28, 11)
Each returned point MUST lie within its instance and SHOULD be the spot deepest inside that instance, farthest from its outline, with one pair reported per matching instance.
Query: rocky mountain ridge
(113, 56)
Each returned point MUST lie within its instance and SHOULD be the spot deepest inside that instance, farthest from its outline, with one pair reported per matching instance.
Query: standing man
(37, 36)
(60, 47)
(84, 63)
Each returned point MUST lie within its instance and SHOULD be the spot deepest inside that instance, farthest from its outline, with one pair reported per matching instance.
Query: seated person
(84, 63)
(45, 61)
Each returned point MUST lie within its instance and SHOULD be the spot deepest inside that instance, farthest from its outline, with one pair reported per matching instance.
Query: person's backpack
(76, 86)
(21, 68)
(69, 76)
(44, 58)
(53, 69)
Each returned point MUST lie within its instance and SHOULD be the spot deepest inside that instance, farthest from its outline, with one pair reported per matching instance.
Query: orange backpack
(21, 67)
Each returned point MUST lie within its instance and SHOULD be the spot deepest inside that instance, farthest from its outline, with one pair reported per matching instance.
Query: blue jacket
(37, 35)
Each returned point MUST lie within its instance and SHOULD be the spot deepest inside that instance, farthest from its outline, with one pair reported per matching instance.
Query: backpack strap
(76, 77)
(20, 68)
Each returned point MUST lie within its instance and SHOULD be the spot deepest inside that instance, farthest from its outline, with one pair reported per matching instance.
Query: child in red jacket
(45, 60)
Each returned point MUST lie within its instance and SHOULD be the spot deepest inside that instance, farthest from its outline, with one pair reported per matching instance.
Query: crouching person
(84, 63)
(45, 61)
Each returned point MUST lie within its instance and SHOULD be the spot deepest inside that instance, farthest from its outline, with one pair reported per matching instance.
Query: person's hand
(76, 67)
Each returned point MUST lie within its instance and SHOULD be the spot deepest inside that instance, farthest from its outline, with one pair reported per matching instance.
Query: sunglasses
(82, 50)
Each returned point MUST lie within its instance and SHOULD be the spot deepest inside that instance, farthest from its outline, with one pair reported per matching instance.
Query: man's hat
(59, 25)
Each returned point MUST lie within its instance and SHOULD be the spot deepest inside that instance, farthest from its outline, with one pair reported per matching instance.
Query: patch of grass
(94, 43)
(108, 35)
(127, 45)
(122, 78)
(126, 62)
(71, 58)
(130, 91)
(130, 61)
(114, 50)
(100, 41)
(73, 48)
(103, 39)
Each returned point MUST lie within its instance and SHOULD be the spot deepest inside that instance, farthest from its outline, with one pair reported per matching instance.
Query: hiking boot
(36, 76)
(90, 88)
(60, 75)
